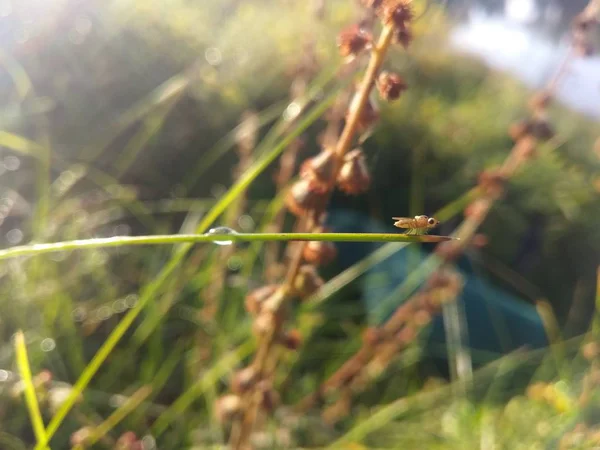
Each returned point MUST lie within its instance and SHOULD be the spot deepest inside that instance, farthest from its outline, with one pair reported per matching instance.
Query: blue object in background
(498, 322)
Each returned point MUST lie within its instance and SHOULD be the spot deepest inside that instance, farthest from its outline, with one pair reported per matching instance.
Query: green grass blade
(119, 414)
(208, 379)
(170, 239)
(30, 398)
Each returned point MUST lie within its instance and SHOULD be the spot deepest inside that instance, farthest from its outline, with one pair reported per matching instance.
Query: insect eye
(431, 221)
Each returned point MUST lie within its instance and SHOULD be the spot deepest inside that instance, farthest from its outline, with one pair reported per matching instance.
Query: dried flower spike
(354, 177)
(353, 39)
(542, 129)
(319, 168)
(493, 182)
(390, 85)
(304, 196)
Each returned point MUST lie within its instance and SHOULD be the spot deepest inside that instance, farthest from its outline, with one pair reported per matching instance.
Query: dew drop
(12, 163)
(292, 111)
(14, 236)
(47, 345)
(4, 375)
(213, 56)
(220, 231)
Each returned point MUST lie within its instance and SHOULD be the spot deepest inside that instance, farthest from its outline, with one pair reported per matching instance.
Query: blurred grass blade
(20, 144)
(208, 379)
(189, 239)
(29, 389)
(119, 414)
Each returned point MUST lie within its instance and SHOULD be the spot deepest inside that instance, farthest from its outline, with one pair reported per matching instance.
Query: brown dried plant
(252, 388)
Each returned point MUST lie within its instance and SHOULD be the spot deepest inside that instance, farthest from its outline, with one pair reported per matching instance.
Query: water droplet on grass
(221, 231)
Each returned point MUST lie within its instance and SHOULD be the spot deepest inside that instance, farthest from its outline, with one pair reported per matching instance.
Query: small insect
(417, 225)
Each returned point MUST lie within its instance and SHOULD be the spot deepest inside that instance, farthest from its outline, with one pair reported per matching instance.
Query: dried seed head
(373, 336)
(540, 101)
(542, 130)
(227, 406)
(319, 168)
(390, 85)
(304, 196)
(354, 177)
(292, 340)
(319, 252)
(519, 130)
(396, 12)
(43, 379)
(243, 380)
(403, 36)
(353, 39)
(307, 281)
(493, 182)
(255, 298)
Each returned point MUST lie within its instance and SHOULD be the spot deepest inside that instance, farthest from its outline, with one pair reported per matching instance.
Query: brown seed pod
(542, 130)
(319, 168)
(304, 196)
(263, 323)
(307, 281)
(403, 36)
(449, 250)
(354, 177)
(319, 252)
(396, 12)
(292, 340)
(353, 39)
(227, 406)
(390, 85)
(255, 298)
(243, 380)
